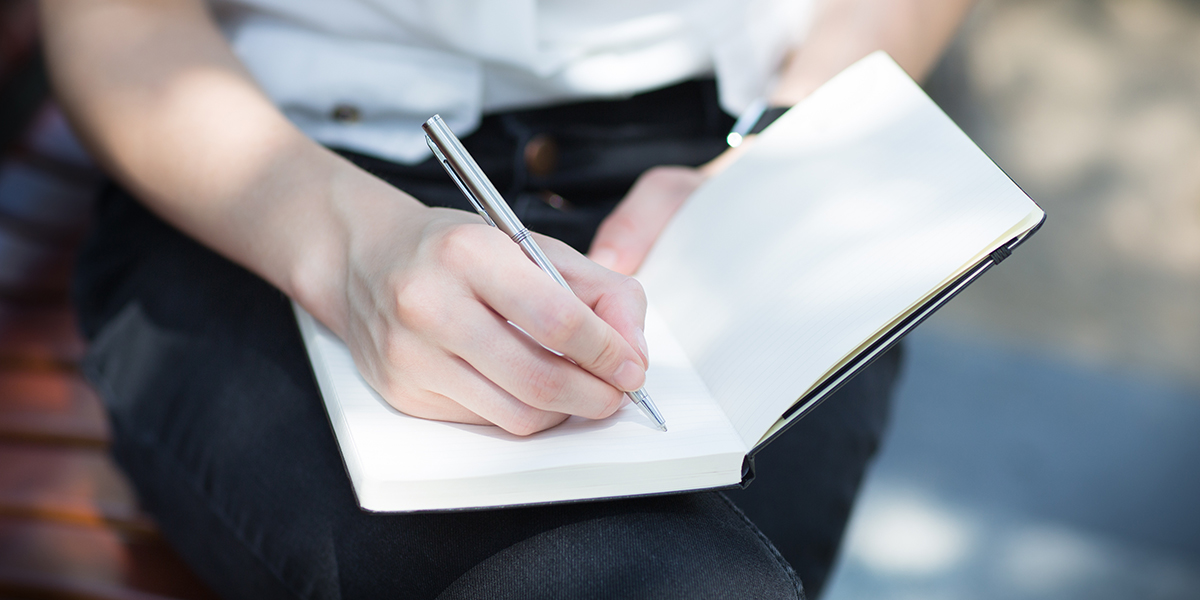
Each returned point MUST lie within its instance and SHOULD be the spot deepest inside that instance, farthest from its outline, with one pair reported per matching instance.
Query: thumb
(626, 236)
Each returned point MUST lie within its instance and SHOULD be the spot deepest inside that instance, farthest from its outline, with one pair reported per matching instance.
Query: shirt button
(345, 113)
(541, 155)
(555, 201)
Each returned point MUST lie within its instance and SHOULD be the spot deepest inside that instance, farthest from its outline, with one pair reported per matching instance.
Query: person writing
(265, 151)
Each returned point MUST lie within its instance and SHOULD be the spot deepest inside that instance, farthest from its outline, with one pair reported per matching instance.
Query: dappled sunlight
(908, 535)
(904, 543)
(1011, 474)
(1093, 108)
(1047, 558)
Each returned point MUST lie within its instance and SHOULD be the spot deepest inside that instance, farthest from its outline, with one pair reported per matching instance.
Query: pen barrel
(470, 178)
(475, 185)
(538, 257)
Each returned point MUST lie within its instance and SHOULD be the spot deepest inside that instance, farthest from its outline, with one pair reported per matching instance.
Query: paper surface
(398, 462)
(844, 215)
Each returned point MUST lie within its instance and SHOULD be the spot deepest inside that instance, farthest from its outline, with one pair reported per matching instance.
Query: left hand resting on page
(628, 233)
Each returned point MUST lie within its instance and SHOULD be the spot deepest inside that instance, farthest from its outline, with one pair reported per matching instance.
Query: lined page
(397, 462)
(845, 213)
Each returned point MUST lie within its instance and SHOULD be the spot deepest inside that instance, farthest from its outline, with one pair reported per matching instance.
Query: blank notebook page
(846, 211)
(382, 445)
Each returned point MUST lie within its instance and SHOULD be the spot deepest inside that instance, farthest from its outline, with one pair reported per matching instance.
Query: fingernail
(629, 376)
(605, 258)
(641, 342)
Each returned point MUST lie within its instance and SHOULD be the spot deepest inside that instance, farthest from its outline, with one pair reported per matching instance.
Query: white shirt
(364, 74)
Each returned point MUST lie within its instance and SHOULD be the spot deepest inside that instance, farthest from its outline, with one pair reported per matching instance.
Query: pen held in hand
(491, 206)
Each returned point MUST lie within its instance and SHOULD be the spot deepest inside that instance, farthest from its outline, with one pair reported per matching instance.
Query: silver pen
(491, 206)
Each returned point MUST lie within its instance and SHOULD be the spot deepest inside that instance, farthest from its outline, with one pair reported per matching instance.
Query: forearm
(422, 296)
(914, 32)
(164, 104)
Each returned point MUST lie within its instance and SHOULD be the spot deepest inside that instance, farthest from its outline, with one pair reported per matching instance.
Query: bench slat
(38, 335)
(50, 407)
(72, 485)
(55, 560)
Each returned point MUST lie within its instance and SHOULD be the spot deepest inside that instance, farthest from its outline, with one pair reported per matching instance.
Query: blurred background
(1045, 441)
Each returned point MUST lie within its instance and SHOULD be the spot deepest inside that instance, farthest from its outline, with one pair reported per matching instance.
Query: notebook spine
(747, 471)
(885, 343)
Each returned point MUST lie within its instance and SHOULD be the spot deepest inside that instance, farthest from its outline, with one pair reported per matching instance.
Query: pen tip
(662, 427)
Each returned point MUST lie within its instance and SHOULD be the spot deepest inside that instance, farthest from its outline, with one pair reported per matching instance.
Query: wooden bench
(70, 525)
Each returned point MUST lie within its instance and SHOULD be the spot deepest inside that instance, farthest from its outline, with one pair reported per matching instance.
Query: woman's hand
(429, 299)
(914, 32)
(420, 295)
(626, 236)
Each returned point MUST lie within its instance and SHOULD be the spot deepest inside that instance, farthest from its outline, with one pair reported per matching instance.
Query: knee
(708, 554)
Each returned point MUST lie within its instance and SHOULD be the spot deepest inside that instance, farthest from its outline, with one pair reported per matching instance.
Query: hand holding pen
(423, 298)
(430, 293)
(495, 211)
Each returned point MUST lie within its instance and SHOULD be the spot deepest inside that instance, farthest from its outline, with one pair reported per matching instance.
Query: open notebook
(850, 220)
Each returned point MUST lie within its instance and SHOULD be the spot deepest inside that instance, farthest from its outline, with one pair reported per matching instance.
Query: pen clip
(458, 181)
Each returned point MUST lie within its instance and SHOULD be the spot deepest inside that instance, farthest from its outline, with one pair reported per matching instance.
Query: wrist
(353, 213)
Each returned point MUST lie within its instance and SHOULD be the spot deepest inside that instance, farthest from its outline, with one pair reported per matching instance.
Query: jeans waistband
(588, 151)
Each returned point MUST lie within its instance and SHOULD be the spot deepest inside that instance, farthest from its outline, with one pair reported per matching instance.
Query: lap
(218, 421)
(219, 424)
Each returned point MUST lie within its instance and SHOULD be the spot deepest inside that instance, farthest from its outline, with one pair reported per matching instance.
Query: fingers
(521, 367)
(429, 329)
(482, 396)
(457, 392)
(617, 299)
(482, 369)
(626, 236)
(556, 318)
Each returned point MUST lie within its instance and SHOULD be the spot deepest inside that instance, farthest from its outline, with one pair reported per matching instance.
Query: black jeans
(218, 422)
